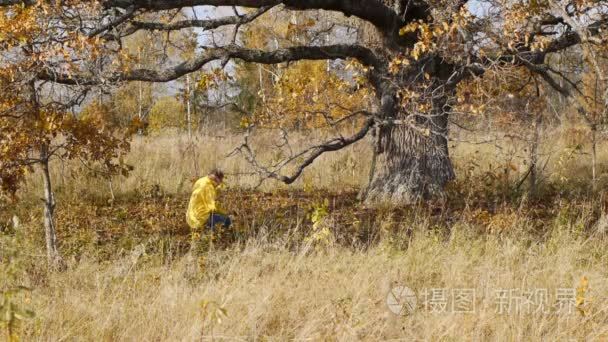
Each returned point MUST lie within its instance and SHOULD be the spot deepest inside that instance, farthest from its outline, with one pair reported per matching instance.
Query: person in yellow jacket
(203, 210)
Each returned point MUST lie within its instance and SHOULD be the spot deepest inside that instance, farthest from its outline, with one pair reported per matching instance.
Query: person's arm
(220, 211)
(214, 206)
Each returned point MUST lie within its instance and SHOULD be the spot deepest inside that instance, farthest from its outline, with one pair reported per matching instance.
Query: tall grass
(170, 163)
(128, 280)
(173, 162)
(261, 290)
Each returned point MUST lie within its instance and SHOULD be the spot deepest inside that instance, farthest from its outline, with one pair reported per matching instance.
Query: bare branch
(16, 2)
(363, 54)
(311, 153)
(208, 24)
(117, 21)
(373, 11)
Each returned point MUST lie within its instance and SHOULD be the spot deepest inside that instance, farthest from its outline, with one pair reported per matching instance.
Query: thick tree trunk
(414, 162)
(53, 256)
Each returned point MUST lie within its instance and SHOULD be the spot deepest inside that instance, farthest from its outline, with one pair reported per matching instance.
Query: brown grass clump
(261, 289)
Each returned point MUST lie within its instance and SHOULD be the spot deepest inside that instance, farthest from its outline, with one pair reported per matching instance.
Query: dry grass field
(490, 262)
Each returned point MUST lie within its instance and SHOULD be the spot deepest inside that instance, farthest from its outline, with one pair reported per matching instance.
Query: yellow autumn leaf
(581, 294)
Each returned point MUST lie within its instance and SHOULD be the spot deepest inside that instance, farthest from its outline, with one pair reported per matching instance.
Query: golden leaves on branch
(45, 34)
(397, 63)
(87, 138)
(32, 38)
(211, 79)
(434, 35)
(18, 25)
(509, 94)
(309, 95)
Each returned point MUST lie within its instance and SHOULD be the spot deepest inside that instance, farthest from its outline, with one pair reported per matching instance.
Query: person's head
(216, 175)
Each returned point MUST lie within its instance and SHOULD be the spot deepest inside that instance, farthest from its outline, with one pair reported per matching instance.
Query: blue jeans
(218, 219)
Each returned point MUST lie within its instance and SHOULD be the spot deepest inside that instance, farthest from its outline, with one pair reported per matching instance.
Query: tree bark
(54, 259)
(413, 165)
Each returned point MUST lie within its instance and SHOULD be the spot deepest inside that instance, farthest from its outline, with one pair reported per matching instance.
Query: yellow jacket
(202, 203)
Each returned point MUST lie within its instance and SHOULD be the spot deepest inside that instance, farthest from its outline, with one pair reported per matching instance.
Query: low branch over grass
(305, 157)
